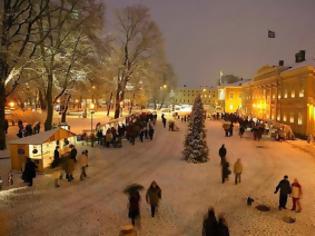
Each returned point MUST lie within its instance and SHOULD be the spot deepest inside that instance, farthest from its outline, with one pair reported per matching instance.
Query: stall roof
(41, 138)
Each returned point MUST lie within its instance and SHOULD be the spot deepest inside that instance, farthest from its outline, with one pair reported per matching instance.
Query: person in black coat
(222, 228)
(6, 126)
(209, 227)
(225, 169)
(222, 152)
(163, 120)
(29, 172)
(73, 153)
(285, 189)
(134, 206)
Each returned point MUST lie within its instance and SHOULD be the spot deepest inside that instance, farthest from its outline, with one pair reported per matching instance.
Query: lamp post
(92, 135)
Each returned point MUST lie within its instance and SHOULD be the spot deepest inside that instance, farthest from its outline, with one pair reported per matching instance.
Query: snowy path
(97, 206)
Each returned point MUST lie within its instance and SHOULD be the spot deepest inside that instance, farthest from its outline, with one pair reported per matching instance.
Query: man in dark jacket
(29, 172)
(6, 126)
(285, 190)
(225, 169)
(163, 120)
(209, 227)
(73, 153)
(222, 152)
(153, 196)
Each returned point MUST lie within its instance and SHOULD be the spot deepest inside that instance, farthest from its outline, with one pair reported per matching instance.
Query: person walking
(231, 130)
(225, 170)
(141, 134)
(151, 129)
(83, 162)
(153, 197)
(222, 228)
(210, 224)
(285, 190)
(238, 169)
(56, 157)
(222, 152)
(73, 153)
(163, 120)
(134, 207)
(29, 172)
(296, 195)
(108, 137)
(6, 126)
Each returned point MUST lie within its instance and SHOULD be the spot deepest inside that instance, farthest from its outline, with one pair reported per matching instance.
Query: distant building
(230, 96)
(186, 95)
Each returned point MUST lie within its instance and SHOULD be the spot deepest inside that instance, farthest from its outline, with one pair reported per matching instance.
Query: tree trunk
(117, 104)
(4, 72)
(41, 100)
(2, 115)
(64, 112)
(109, 104)
(50, 105)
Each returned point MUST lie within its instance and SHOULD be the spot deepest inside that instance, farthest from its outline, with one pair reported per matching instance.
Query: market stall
(40, 148)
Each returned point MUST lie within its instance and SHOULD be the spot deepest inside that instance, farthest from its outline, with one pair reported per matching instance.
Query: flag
(271, 34)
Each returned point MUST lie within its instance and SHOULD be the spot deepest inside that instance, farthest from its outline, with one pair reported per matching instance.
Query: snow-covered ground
(97, 206)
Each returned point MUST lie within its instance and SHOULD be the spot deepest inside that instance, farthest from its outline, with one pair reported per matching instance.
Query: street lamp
(12, 104)
(92, 112)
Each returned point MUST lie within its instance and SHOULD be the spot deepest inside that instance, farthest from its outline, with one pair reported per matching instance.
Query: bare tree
(17, 21)
(138, 40)
(67, 46)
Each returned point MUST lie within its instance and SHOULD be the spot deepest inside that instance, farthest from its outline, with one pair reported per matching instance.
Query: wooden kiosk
(40, 148)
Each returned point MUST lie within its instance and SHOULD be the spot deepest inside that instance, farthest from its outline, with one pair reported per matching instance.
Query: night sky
(203, 37)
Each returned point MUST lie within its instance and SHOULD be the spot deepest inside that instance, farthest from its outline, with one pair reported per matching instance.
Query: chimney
(281, 63)
(300, 56)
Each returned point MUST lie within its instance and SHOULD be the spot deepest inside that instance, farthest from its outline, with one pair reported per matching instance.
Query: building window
(300, 119)
(291, 118)
(284, 118)
(272, 116)
(285, 94)
(278, 117)
(273, 96)
(301, 93)
(279, 95)
(293, 94)
(231, 107)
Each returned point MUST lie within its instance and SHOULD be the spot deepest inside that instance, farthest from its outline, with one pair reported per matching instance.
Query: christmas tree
(196, 148)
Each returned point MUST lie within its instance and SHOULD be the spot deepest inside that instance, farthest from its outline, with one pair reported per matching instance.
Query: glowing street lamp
(11, 104)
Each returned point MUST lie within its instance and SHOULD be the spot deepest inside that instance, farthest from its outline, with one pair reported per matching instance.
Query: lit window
(291, 118)
(301, 93)
(278, 117)
(231, 107)
(279, 95)
(284, 118)
(300, 119)
(285, 94)
(273, 96)
(272, 116)
(292, 94)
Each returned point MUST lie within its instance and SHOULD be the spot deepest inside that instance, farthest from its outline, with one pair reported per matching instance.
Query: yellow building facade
(186, 95)
(230, 97)
(283, 94)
